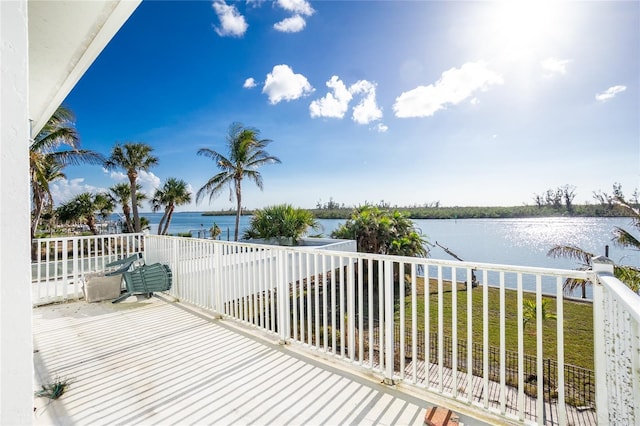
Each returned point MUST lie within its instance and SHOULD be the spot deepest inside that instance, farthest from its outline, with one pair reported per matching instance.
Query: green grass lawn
(578, 322)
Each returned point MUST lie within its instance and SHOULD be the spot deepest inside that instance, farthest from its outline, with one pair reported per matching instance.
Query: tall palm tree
(84, 207)
(45, 156)
(41, 193)
(132, 157)
(121, 194)
(246, 154)
(173, 193)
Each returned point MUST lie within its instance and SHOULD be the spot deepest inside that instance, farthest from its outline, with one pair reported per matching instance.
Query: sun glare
(521, 28)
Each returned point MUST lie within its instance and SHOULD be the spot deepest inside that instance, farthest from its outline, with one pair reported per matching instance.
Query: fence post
(600, 264)
(388, 322)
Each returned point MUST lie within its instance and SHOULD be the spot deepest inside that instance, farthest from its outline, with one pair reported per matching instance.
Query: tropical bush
(384, 232)
(280, 222)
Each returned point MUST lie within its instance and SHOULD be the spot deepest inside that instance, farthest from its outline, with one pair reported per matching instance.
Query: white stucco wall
(16, 353)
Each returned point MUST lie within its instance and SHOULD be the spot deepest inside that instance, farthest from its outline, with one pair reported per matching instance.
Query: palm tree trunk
(39, 205)
(170, 209)
(164, 217)
(91, 223)
(134, 201)
(126, 210)
(238, 207)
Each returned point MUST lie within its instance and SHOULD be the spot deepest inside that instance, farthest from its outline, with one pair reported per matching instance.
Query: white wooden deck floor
(157, 362)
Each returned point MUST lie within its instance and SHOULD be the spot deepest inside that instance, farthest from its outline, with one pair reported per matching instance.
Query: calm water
(503, 241)
(522, 242)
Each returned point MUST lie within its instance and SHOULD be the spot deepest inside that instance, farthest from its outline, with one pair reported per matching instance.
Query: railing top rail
(623, 294)
(80, 237)
(563, 273)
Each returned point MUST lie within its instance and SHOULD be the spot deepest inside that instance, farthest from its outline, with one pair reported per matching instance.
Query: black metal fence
(579, 382)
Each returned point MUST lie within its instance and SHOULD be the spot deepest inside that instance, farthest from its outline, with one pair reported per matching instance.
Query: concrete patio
(155, 361)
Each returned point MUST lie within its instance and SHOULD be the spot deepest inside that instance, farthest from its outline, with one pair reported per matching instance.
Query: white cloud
(367, 110)
(282, 84)
(64, 190)
(381, 128)
(454, 86)
(249, 83)
(299, 7)
(232, 23)
(255, 3)
(148, 181)
(555, 66)
(335, 104)
(294, 24)
(610, 93)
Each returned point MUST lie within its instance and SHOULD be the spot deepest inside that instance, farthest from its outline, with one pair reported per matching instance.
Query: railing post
(283, 296)
(217, 278)
(388, 322)
(600, 265)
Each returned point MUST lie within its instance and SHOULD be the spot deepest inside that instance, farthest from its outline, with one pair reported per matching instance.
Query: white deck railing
(59, 263)
(347, 306)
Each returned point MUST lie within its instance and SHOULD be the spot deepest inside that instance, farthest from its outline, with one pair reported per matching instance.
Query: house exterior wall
(16, 351)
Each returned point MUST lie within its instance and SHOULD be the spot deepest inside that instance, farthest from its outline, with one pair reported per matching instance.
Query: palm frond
(571, 252)
(624, 239)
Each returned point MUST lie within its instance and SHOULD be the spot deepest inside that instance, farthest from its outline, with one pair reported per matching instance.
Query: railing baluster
(370, 309)
(360, 312)
(427, 326)
(503, 386)
(485, 338)
(454, 331)
(388, 320)
(351, 310)
(562, 413)
(341, 303)
(440, 331)
(470, 283)
(325, 311)
(414, 325)
(309, 289)
(540, 412)
(521, 409)
(381, 303)
(333, 307)
(316, 280)
(402, 317)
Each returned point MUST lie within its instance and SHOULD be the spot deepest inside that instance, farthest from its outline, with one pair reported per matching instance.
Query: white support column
(16, 348)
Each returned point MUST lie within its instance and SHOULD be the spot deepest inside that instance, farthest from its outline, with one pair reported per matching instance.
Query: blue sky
(465, 103)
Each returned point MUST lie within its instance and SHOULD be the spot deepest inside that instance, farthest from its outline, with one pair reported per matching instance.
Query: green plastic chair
(146, 279)
(140, 278)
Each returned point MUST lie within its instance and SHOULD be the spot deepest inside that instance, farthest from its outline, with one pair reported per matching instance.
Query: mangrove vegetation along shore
(583, 210)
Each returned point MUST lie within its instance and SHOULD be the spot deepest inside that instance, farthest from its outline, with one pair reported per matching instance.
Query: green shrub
(280, 222)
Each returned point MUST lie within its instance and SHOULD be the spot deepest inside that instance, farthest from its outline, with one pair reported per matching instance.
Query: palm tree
(121, 194)
(84, 207)
(246, 154)
(132, 157)
(49, 171)
(46, 161)
(173, 193)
